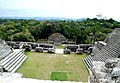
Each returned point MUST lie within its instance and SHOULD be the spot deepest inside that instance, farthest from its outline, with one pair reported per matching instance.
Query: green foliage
(61, 76)
(86, 31)
(23, 37)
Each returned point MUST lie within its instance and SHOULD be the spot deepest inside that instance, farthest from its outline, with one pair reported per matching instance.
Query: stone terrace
(110, 50)
(10, 59)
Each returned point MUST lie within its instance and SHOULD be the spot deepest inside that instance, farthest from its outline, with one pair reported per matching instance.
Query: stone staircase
(5, 50)
(110, 50)
(13, 61)
(107, 52)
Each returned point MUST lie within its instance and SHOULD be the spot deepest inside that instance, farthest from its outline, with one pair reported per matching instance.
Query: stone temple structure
(104, 61)
(10, 59)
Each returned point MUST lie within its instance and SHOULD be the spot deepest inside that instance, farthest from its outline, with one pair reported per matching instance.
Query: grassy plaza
(45, 66)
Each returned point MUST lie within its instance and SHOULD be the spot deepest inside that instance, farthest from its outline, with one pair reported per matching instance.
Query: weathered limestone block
(111, 63)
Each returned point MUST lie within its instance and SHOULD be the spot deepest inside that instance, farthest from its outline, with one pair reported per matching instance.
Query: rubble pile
(105, 72)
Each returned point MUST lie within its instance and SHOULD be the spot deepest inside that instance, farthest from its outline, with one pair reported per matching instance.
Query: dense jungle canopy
(85, 31)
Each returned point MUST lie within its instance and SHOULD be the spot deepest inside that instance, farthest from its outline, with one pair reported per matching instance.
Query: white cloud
(65, 8)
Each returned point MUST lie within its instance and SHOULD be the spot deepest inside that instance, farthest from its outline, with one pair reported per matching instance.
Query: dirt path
(59, 51)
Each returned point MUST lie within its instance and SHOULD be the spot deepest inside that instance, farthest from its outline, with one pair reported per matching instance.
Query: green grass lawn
(41, 65)
(61, 76)
(60, 47)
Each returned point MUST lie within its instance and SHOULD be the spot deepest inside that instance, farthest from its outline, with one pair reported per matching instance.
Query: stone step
(3, 54)
(7, 59)
(11, 54)
(108, 51)
(20, 63)
(13, 61)
(13, 66)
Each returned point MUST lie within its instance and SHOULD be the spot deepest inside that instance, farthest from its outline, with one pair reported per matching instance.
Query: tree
(25, 37)
(85, 31)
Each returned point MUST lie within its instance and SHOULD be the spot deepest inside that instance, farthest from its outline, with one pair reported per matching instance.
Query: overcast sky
(60, 8)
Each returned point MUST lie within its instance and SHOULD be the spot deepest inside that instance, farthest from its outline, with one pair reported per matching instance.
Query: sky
(60, 8)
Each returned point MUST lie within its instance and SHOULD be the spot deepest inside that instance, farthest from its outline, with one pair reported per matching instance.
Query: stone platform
(17, 78)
